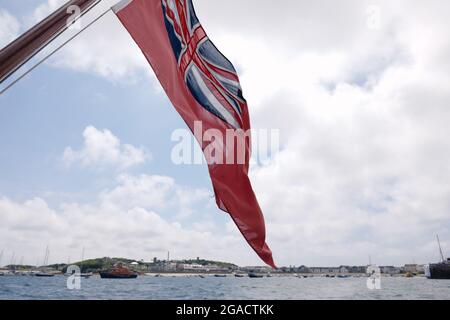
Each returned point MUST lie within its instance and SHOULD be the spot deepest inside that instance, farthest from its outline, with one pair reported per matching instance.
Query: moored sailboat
(44, 273)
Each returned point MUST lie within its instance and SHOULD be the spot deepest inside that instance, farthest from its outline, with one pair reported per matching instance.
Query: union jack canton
(209, 75)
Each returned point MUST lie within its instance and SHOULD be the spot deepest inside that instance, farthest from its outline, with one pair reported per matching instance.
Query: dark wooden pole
(18, 52)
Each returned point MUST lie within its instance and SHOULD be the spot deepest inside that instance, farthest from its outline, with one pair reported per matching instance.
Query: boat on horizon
(85, 274)
(118, 272)
(440, 270)
(44, 274)
(255, 275)
(82, 275)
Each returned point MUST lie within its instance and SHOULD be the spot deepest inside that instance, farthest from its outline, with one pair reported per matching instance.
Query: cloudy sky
(359, 90)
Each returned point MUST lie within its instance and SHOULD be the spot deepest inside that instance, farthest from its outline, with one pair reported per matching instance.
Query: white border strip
(121, 5)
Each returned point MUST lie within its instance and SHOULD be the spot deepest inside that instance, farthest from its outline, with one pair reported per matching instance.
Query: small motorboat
(82, 275)
(220, 275)
(86, 275)
(239, 275)
(255, 275)
(44, 274)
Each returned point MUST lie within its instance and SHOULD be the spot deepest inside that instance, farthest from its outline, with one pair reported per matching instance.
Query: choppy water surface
(27, 287)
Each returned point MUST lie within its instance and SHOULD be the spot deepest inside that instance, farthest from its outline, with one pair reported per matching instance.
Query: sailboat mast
(440, 248)
(82, 259)
(13, 257)
(46, 257)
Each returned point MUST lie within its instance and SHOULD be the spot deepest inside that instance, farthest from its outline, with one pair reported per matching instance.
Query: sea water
(230, 288)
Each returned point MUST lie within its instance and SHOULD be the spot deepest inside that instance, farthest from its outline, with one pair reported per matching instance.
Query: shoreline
(6, 273)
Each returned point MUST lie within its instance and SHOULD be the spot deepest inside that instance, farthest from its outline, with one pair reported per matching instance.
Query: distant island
(98, 264)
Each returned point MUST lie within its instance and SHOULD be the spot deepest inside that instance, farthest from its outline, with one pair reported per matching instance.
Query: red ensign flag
(204, 87)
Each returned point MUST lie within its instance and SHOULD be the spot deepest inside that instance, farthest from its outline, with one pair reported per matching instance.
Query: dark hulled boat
(118, 272)
(255, 275)
(439, 270)
(82, 275)
(86, 275)
(44, 274)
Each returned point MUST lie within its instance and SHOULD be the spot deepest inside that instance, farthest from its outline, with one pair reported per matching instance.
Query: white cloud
(101, 148)
(112, 226)
(9, 28)
(363, 169)
(44, 9)
(149, 192)
(105, 49)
